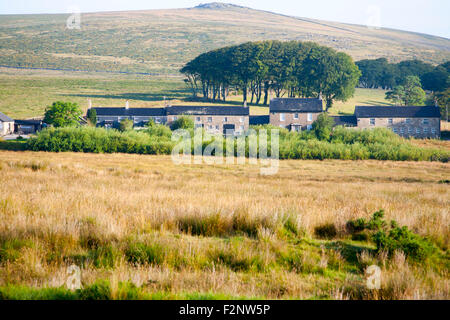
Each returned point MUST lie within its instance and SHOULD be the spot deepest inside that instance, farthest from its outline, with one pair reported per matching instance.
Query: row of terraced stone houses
(293, 114)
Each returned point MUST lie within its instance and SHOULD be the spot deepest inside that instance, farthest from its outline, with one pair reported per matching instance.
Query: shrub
(126, 125)
(92, 116)
(391, 238)
(323, 126)
(402, 239)
(326, 231)
(183, 123)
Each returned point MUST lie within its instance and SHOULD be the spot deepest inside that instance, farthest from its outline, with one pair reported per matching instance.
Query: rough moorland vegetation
(308, 232)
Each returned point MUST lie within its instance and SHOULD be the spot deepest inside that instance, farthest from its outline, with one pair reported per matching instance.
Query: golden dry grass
(54, 199)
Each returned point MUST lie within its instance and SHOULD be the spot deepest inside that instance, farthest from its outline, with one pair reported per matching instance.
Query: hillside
(161, 41)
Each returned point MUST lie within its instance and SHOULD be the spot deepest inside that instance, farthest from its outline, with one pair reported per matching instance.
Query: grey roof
(259, 120)
(208, 110)
(346, 121)
(396, 112)
(29, 122)
(131, 112)
(296, 105)
(5, 118)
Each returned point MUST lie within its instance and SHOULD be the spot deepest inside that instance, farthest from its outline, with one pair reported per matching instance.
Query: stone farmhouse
(214, 119)
(412, 121)
(290, 113)
(294, 114)
(6, 125)
(111, 117)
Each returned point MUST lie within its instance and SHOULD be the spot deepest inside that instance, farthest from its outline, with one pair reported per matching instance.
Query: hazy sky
(425, 16)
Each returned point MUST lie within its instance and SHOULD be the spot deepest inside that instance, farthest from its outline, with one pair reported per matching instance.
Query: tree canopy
(409, 93)
(62, 114)
(293, 69)
(379, 73)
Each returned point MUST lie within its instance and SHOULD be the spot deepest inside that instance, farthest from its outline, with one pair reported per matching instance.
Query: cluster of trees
(295, 69)
(379, 73)
(408, 93)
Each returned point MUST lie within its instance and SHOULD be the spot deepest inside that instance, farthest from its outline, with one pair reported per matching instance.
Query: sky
(424, 16)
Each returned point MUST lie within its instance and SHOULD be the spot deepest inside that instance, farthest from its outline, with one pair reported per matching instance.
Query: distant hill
(162, 41)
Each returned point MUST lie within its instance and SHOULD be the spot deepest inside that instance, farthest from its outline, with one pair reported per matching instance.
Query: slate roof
(259, 120)
(28, 122)
(296, 105)
(208, 110)
(346, 121)
(131, 112)
(396, 112)
(5, 118)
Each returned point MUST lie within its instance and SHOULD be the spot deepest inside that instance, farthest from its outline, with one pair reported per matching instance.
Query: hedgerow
(344, 144)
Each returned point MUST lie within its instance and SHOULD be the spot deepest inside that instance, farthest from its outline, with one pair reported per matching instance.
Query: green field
(25, 94)
(162, 41)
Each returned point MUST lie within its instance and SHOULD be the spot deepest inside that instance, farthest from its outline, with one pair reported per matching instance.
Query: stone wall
(406, 127)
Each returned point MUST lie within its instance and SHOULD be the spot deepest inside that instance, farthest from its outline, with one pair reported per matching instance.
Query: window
(309, 127)
(241, 128)
(157, 120)
(282, 117)
(390, 121)
(433, 130)
(425, 121)
(198, 125)
(198, 119)
(395, 130)
(241, 119)
(425, 130)
(225, 119)
(418, 130)
(295, 115)
(408, 120)
(372, 122)
(410, 130)
(175, 118)
(217, 127)
(210, 127)
(402, 130)
(209, 119)
(310, 117)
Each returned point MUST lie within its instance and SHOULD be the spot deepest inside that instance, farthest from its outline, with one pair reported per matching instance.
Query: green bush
(126, 125)
(326, 231)
(403, 239)
(391, 237)
(183, 123)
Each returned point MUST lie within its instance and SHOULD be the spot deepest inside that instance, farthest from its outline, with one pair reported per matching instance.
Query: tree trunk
(266, 92)
(244, 92)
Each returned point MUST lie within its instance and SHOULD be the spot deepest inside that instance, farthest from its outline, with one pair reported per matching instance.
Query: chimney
(127, 105)
(89, 104)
